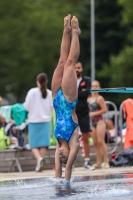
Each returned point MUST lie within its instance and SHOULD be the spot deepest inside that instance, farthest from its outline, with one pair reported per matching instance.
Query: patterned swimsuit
(93, 107)
(65, 125)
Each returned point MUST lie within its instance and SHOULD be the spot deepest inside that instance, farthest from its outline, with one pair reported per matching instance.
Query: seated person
(1, 99)
(110, 127)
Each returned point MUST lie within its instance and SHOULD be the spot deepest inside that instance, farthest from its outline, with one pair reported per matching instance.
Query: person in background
(84, 86)
(97, 107)
(110, 127)
(2, 119)
(39, 105)
(1, 99)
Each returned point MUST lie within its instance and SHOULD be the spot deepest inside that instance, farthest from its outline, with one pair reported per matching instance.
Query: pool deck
(79, 171)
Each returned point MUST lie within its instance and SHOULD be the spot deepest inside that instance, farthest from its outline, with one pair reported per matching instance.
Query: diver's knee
(69, 63)
(62, 62)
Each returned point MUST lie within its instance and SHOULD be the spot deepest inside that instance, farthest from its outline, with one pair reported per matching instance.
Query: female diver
(64, 92)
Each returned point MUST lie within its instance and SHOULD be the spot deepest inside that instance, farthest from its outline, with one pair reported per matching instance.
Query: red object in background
(83, 83)
(113, 156)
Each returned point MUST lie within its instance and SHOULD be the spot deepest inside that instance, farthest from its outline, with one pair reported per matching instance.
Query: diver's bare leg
(64, 52)
(69, 80)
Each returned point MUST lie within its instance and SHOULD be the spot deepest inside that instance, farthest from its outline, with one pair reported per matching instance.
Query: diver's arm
(58, 166)
(74, 148)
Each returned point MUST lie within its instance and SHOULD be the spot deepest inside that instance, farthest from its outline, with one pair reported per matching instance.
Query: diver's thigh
(69, 83)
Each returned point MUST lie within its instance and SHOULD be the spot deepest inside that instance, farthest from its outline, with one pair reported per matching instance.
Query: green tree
(30, 35)
(118, 71)
(108, 34)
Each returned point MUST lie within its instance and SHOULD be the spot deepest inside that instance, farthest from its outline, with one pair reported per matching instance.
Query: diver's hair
(97, 82)
(42, 79)
(64, 162)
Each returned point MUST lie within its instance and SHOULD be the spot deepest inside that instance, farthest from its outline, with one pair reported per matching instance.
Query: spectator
(110, 127)
(1, 99)
(2, 119)
(38, 103)
(84, 85)
(97, 107)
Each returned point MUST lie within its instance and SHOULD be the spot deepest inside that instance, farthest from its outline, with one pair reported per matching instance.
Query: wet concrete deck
(78, 171)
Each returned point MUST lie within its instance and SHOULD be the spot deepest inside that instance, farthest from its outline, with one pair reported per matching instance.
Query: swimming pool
(111, 187)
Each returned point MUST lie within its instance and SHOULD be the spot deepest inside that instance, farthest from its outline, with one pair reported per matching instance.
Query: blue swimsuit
(65, 125)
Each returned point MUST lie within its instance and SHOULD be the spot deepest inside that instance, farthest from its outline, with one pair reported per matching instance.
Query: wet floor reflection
(111, 187)
(66, 191)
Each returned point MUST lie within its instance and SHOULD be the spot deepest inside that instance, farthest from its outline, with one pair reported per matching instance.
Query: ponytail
(42, 79)
(44, 90)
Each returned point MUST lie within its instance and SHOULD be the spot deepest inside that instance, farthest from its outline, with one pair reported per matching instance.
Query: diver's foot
(75, 25)
(67, 27)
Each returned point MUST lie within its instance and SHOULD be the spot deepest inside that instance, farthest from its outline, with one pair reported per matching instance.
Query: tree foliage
(119, 70)
(31, 31)
(30, 35)
(108, 33)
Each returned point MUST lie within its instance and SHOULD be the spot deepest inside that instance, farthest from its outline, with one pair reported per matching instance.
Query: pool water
(111, 187)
